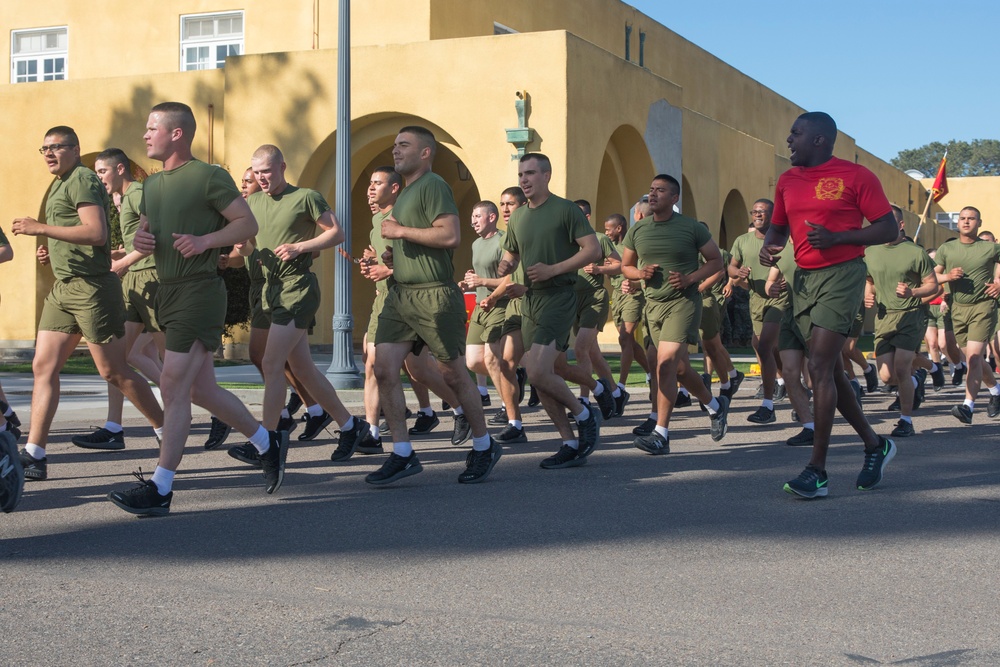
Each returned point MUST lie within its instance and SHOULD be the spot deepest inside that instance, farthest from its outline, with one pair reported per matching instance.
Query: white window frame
(40, 58)
(213, 42)
(948, 220)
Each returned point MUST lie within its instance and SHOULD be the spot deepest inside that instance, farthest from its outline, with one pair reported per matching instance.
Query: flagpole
(930, 198)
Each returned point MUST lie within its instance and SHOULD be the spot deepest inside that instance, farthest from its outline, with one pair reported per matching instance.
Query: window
(949, 220)
(208, 39)
(38, 55)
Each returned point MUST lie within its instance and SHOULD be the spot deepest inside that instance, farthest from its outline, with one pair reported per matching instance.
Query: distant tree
(979, 157)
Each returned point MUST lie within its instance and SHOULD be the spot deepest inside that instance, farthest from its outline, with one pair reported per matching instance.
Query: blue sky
(893, 74)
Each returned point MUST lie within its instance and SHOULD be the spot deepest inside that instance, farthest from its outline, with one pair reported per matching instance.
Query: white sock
(970, 404)
(648, 378)
(907, 419)
(584, 400)
(482, 443)
(261, 440)
(284, 413)
(713, 407)
(458, 410)
(621, 386)
(373, 429)
(583, 415)
(781, 382)
(995, 390)
(516, 423)
(810, 425)
(934, 367)
(599, 389)
(8, 412)
(348, 425)
(662, 430)
(617, 393)
(653, 416)
(113, 427)
(483, 391)
(403, 449)
(429, 411)
(315, 410)
(164, 480)
(575, 444)
(725, 385)
(158, 432)
(767, 403)
(34, 451)
(733, 373)
(682, 391)
(915, 383)
(870, 367)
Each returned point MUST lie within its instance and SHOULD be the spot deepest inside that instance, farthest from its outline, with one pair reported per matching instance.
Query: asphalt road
(695, 558)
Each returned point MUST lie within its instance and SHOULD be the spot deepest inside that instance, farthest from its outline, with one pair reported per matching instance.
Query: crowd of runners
(153, 311)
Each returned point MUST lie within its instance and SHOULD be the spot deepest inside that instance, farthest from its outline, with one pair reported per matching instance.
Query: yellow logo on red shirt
(829, 188)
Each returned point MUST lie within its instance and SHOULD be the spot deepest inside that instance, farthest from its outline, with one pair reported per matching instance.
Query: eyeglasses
(756, 212)
(52, 148)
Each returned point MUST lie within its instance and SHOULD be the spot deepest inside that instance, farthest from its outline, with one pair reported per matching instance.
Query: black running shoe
(350, 440)
(803, 438)
(395, 468)
(445, 406)
(734, 383)
(566, 457)
(217, 433)
(425, 424)
(937, 378)
(720, 420)
(462, 430)
(499, 418)
(904, 429)
(511, 435)
(589, 431)
(479, 465)
(621, 402)
(246, 453)
(811, 483)
(315, 425)
(762, 416)
(606, 400)
(871, 378)
(921, 374)
(654, 443)
(102, 438)
(760, 393)
(961, 412)
(683, 400)
(35, 470)
(993, 407)
(522, 377)
(894, 406)
(958, 376)
(875, 463)
(487, 401)
(294, 404)
(856, 387)
(533, 399)
(706, 379)
(645, 428)
(143, 499)
(287, 424)
(273, 461)
(370, 444)
(383, 427)
(13, 430)
(12, 417)
(11, 472)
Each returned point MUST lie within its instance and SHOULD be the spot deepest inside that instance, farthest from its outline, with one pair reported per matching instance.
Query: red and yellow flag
(940, 187)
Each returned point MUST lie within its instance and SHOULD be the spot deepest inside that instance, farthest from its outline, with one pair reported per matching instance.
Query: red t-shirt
(838, 195)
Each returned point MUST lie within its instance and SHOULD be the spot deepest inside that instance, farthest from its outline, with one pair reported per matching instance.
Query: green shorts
(192, 309)
(547, 317)
(788, 335)
(486, 327)
(975, 322)
(829, 298)
(592, 308)
(89, 305)
(858, 324)
(626, 308)
(762, 311)
(899, 330)
(139, 290)
(674, 321)
(293, 298)
(512, 317)
(427, 314)
(935, 320)
(377, 306)
(258, 318)
(711, 318)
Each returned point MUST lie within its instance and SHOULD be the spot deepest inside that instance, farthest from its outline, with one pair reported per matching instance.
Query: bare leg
(388, 363)
(52, 349)
(556, 397)
(110, 361)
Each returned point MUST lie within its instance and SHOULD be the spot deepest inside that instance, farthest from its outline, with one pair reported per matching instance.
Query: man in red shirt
(822, 202)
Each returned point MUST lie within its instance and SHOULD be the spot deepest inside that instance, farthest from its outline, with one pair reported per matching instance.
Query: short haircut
(114, 157)
(988, 233)
(617, 218)
(973, 208)
(268, 152)
(643, 207)
(517, 193)
(425, 136)
(585, 205)
(823, 123)
(66, 132)
(489, 206)
(177, 114)
(764, 200)
(671, 180)
(391, 175)
(544, 163)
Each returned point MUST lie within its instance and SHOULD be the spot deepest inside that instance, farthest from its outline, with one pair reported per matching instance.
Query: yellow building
(983, 192)
(611, 106)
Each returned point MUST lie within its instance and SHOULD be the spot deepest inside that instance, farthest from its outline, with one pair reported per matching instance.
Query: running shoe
(904, 429)
(350, 440)
(961, 412)
(993, 407)
(803, 438)
(272, 461)
(102, 438)
(875, 463)
(395, 468)
(620, 402)
(11, 472)
(720, 420)
(645, 428)
(425, 424)
(511, 435)
(811, 483)
(35, 470)
(606, 400)
(479, 465)
(499, 418)
(246, 453)
(143, 499)
(217, 434)
(654, 443)
(871, 378)
(315, 425)
(462, 430)
(762, 416)
(566, 457)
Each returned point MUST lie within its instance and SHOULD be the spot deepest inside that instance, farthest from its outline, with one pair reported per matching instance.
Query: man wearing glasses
(86, 299)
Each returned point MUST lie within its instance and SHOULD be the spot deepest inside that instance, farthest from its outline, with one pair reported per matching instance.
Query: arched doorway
(735, 219)
(688, 206)
(626, 171)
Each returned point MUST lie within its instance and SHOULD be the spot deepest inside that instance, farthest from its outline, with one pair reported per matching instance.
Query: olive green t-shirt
(715, 293)
(486, 256)
(128, 217)
(672, 244)
(547, 234)
(287, 217)
(977, 260)
(186, 200)
(746, 251)
(418, 206)
(786, 264)
(592, 282)
(889, 265)
(78, 187)
(616, 281)
(380, 244)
